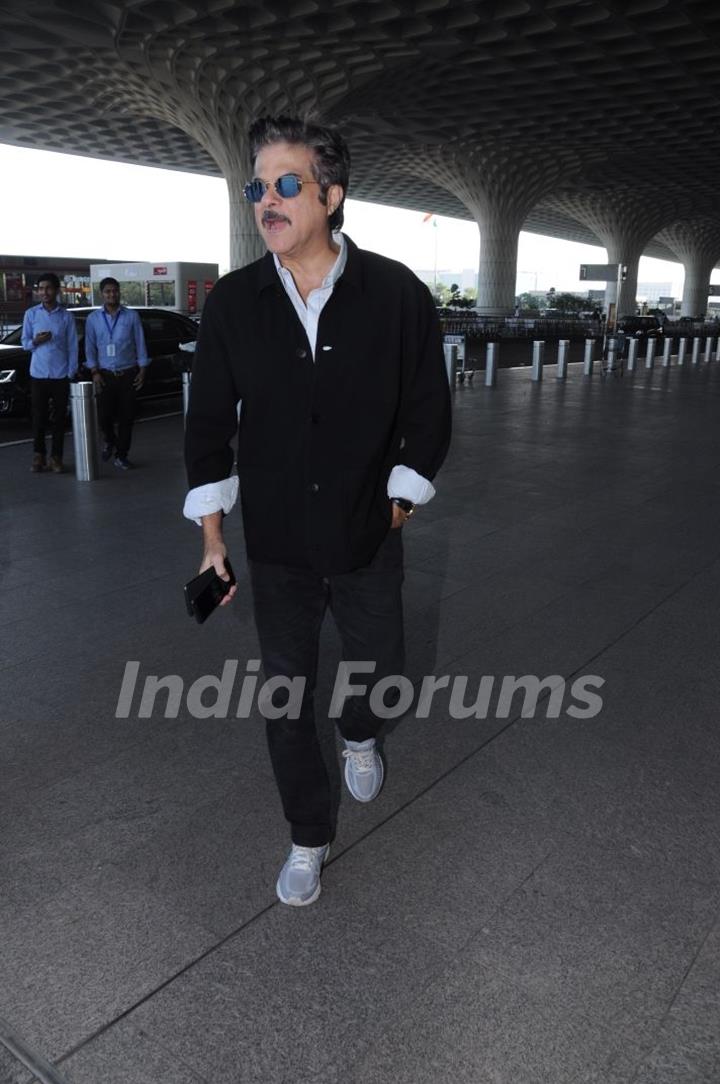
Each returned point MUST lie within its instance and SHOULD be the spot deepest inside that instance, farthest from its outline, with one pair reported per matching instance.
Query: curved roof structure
(593, 96)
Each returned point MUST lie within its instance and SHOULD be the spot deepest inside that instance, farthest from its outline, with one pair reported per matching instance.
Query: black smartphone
(206, 591)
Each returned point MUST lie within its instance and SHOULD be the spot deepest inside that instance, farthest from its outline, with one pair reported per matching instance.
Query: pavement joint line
(158, 417)
(68, 432)
(432, 975)
(674, 998)
(671, 594)
(164, 984)
(276, 903)
(36, 1063)
(361, 839)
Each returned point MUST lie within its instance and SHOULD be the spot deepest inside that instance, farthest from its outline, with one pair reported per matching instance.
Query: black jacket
(317, 439)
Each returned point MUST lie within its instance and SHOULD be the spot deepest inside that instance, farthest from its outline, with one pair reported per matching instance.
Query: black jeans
(116, 406)
(290, 604)
(43, 391)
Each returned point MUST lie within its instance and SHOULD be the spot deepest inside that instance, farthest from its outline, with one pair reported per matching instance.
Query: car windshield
(13, 339)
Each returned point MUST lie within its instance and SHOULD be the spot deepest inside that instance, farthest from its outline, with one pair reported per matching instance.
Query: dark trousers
(116, 407)
(44, 391)
(289, 605)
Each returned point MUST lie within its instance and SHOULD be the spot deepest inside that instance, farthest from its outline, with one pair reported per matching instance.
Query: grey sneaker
(299, 880)
(363, 769)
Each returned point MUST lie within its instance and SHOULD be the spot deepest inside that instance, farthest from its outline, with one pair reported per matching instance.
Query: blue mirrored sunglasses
(287, 186)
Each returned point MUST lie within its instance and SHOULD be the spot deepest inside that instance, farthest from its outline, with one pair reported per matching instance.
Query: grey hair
(331, 156)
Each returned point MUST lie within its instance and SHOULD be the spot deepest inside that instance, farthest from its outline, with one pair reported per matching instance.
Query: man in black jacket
(336, 355)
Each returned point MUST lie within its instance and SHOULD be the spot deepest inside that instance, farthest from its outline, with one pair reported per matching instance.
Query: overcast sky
(63, 205)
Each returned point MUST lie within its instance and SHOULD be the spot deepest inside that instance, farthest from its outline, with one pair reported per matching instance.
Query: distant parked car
(686, 325)
(641, 328)
(165, 331)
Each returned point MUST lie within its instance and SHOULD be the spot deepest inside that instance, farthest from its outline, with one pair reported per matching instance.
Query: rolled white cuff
(407, 483)
(213, 497)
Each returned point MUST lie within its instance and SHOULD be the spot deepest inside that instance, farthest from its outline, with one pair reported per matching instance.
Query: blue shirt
(116, 341)
(58, 357)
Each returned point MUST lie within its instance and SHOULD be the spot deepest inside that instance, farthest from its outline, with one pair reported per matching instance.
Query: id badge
(110, 350)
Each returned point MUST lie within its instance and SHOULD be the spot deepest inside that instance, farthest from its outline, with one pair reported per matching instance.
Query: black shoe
(107, 452)
(122, 462)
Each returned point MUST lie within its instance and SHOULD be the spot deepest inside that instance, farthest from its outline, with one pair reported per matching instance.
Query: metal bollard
(611, 358)
(650, 354)
(491, 363)
(588, 358)
(695, 351)
(85, 430)
(682, 350)
(708, 349)
(451, 355)
(562, 358)
(667, 353)
(632, 355)
(537, 359)
(186, 381)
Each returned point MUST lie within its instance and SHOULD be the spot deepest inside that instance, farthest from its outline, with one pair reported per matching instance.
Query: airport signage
(600, 272)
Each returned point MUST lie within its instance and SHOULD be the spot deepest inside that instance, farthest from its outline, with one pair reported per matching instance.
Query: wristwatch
(405, 506)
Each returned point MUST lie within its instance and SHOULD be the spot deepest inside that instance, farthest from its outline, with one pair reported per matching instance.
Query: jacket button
(314, 488)
(300, 352)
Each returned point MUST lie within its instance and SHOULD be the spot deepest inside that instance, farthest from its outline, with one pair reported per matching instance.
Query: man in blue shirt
(117, 357)
(49, 333)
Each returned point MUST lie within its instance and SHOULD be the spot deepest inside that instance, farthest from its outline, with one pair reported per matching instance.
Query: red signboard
(208, 286)
(159, 270)
(192, 295)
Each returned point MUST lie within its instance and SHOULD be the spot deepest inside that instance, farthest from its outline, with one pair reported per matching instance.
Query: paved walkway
(530, 899)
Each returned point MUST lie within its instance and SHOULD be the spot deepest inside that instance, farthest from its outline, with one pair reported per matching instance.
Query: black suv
(164, 332)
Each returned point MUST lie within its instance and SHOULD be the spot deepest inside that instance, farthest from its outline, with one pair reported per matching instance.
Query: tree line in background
(559, 302)
(453, 297)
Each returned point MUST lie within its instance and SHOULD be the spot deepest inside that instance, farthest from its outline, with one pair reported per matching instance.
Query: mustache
(273, 216)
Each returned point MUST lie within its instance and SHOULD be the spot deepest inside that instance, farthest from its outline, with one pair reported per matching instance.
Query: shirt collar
(335, 271)
(350, 272)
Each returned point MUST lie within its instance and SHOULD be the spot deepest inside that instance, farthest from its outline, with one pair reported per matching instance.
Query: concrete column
(623, 220)
(246, 244)
(696, 243)
(697, 280)
(231, 152)
(500, 186)
(497, 272)
(627, 302)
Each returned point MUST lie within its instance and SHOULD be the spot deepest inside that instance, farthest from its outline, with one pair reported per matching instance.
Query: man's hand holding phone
(208, 590)
(215, 557)
(42, 337)
(215, 551)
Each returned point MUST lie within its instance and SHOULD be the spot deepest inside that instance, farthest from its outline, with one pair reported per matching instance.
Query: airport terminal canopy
(593, 120)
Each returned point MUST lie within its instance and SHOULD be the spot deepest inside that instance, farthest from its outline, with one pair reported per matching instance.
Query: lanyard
(111, 327)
